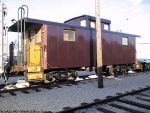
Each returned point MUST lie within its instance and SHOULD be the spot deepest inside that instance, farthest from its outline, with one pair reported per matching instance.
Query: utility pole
(99, 44)
(1, 37)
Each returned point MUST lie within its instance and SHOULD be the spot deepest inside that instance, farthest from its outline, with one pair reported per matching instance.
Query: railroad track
(57, 97)
(84, 77)
(136, 101)
(39, 86)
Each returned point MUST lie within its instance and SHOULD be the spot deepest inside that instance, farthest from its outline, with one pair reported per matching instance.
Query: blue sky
(130, 16)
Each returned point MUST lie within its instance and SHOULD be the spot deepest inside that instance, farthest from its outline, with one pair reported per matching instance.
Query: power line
(143, 43)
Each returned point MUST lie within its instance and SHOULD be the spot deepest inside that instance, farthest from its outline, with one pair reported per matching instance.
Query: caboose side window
(69, 35)
(125, 41)
(83, 23)
(92, 24)
(106, 27)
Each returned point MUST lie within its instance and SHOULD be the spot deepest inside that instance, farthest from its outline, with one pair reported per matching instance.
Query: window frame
(125, 40)
(106, 26)
(92, 24)
(83, 23)
(66, 37)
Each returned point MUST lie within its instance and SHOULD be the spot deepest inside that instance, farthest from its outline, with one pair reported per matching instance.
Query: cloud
(136, 2)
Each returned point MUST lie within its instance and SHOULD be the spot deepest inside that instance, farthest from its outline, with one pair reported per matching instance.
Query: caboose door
(34, 67)
(35, 48)
(34, 55)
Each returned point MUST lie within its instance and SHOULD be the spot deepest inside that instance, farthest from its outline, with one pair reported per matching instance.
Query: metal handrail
(19, 27)
(24, 13)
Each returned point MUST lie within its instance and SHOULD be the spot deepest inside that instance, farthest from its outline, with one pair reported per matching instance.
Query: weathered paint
(56, 53)
(35, 55)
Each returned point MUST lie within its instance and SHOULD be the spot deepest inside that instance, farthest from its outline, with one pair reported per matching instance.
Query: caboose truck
(56, 51)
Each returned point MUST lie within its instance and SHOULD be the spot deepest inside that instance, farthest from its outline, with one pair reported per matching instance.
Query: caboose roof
(36, 22)
(92, 18)
(28, 22)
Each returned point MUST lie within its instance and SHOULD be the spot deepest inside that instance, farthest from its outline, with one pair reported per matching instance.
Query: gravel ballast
(56, 99)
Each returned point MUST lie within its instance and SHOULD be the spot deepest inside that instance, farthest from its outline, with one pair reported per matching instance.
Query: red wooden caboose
(55, 49)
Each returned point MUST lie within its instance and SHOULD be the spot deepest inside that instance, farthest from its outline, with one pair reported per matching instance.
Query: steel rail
(42, 85)
(104, 101)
